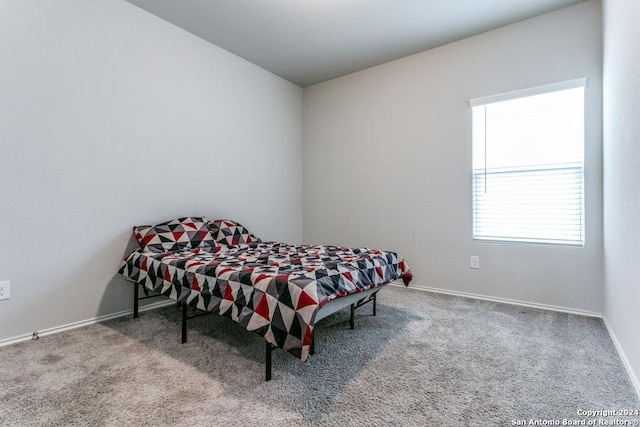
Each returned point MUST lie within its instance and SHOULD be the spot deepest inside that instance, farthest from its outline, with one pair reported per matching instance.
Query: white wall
(387, 160)
(621, 96)
(111, 117)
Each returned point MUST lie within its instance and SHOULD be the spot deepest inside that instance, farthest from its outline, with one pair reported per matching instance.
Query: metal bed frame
(354, 301)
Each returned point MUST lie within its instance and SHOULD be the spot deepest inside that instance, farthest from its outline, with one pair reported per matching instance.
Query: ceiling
(310, 41)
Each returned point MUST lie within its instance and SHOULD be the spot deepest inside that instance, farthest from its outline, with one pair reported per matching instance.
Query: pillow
(175, 235)
(230, 233)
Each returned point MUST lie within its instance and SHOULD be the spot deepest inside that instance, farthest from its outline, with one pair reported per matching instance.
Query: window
(528, 165)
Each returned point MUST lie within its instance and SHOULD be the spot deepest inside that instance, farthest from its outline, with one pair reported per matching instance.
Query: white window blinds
(528, 165)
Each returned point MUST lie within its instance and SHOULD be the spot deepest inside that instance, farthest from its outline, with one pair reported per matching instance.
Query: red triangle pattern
(195, 285)
(348, 276)
(263, 308)
(228, 293)
(305, 300)
(308, 336)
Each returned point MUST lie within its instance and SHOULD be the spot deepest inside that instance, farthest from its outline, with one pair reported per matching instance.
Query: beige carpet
(424, 360)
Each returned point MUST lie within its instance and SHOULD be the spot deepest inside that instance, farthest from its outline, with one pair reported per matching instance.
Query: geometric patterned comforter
(273, 289)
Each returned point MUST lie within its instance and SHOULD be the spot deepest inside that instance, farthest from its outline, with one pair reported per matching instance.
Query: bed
(277, 290)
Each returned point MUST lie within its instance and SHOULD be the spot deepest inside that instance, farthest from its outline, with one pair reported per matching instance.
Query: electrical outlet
(5, 290)
(475, 262)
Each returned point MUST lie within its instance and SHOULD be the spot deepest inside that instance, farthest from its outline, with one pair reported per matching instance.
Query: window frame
(524, 93)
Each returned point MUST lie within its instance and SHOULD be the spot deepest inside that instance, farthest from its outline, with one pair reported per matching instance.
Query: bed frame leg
(136, 293)
(184, 323)
(352, 322)
(267, 365)
(312, 350)
(372, 298)
(375, 299)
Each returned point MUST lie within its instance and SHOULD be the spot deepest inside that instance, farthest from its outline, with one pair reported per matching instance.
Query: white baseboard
(74, 325)
(635, 380)
(506, 301)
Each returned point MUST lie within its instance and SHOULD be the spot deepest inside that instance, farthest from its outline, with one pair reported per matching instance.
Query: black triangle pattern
(230, 233)
(176, 235)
